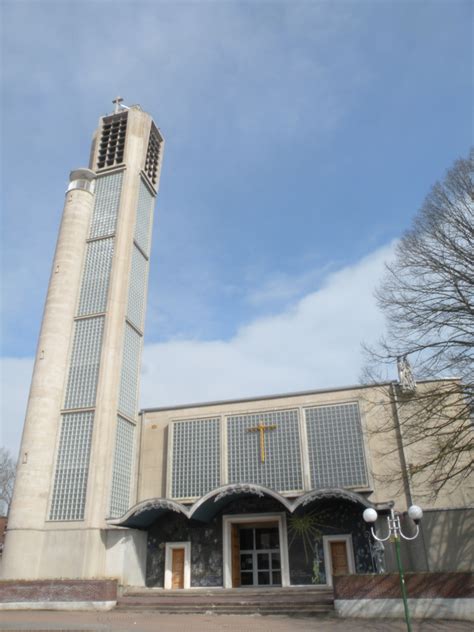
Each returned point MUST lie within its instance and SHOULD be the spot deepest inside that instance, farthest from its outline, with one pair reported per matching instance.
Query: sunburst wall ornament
(306, 528)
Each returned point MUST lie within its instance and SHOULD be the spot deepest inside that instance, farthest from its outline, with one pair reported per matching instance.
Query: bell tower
(80, 439)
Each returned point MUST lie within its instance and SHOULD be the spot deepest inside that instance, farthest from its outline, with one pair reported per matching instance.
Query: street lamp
(395, 533)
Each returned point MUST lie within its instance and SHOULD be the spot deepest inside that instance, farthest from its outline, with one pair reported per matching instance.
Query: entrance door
(338, 555)
(260, 555)
(339, 558)
(177, 568)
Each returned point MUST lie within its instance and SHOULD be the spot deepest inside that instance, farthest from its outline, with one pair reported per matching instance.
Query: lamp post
(395, 533)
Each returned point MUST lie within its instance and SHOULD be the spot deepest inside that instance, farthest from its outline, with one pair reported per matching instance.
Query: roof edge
(220, 402)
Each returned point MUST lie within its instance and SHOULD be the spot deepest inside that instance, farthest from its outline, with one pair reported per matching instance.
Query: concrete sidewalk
(152, 621)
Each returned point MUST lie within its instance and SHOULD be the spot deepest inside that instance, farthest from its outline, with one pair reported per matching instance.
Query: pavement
(123, 621)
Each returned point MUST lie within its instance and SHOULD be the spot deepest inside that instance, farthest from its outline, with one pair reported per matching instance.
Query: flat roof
(283, 395)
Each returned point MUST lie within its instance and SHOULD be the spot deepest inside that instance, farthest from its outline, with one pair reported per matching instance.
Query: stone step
(284, 601)
(225, 605)
(196, 592)
(223, 602)
(218, 603)
(223, 599)
(288, 609)
(227, 593)
(233, 611)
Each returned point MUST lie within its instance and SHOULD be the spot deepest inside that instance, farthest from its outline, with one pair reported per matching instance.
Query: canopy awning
(146, 512)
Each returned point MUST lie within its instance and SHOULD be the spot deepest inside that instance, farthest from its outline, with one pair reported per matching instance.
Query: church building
(264, 491)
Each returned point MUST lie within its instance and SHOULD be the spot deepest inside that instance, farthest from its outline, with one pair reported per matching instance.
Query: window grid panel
(72, 467)
(196, 457)
(137, 289)
(281, 470)
(128, 395)
(143, 221)
(122, 470)
(96, 276)
(107, 200)
(84, 364)
(336, 446)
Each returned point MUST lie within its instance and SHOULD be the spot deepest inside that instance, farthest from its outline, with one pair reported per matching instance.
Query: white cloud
(284, 287)
(315, 343)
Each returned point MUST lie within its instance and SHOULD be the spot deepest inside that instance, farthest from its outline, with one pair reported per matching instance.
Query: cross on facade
(262, 428)
(117, 101)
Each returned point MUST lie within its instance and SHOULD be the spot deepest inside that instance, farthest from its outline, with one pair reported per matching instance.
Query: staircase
(302, 601)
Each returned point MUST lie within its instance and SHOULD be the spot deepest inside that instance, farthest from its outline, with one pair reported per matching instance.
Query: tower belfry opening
(112, 140)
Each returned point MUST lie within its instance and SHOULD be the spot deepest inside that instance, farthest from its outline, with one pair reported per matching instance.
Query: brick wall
(58, 590)
(419, 585)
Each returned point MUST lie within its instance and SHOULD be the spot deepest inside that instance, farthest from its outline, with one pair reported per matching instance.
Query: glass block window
(281, 469)
(196, 457)
(107, 200)
(144, 215)
(137, 288)
(95, 277)
(72, 467)
(122, 471)
(84, 364)
(336, 446)
(130, 367)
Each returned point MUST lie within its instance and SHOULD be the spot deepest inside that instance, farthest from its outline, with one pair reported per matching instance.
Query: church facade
(270, 491)
(263, 491)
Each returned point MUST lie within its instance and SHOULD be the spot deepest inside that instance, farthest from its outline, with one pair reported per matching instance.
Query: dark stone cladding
(58, 590)
(328, 517)
(206, 549)
(419, 585)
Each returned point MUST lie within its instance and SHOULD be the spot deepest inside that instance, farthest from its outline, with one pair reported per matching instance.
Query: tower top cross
(118, 102)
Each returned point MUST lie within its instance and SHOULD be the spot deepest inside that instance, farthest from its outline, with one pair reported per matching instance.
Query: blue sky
(301, 139)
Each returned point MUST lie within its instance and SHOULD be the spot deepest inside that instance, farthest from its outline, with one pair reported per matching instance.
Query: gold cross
(262, 428)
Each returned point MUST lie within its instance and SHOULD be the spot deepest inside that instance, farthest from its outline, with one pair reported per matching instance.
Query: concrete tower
(78, 453)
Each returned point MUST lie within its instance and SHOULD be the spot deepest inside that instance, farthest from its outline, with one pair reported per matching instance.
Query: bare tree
(7, 478)
(427, 297)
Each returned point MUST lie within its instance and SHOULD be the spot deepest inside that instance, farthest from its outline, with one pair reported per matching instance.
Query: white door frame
(169, 559)
(327, 539)
(228, 521)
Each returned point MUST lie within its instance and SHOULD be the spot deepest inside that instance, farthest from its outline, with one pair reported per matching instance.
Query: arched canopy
(209, 505)
(339, 494)
(145, 513)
